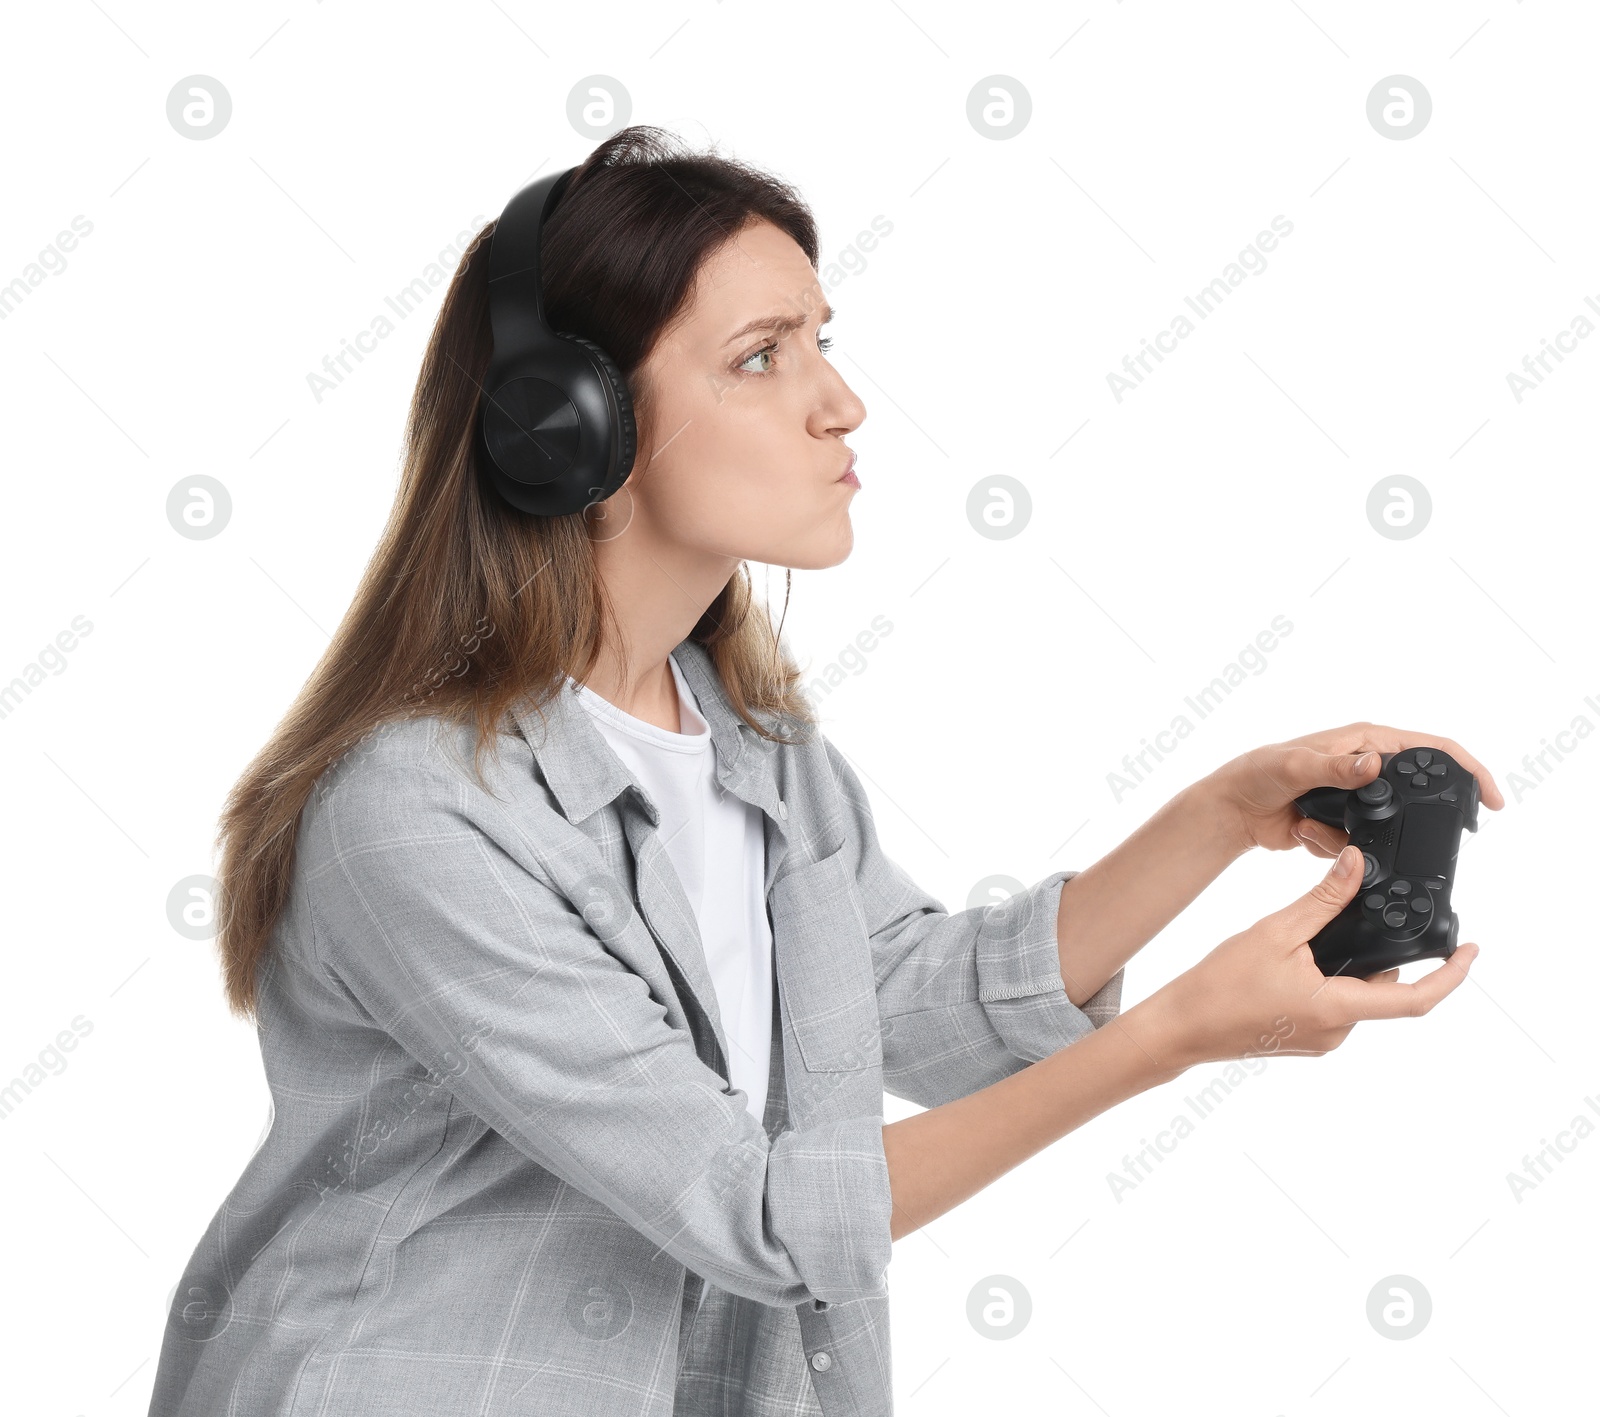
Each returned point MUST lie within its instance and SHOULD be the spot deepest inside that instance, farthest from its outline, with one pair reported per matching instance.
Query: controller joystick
(1376, 792)
(1408, 823)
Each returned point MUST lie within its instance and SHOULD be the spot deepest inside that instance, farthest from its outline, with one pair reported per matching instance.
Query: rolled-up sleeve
(1019, 974)
(965, 998)
(433, 915)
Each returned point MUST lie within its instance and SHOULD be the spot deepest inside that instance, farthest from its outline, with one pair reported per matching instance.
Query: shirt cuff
(828, 1196)
(1019, 975)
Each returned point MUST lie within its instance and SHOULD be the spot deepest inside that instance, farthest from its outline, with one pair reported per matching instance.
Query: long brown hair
(467, 605)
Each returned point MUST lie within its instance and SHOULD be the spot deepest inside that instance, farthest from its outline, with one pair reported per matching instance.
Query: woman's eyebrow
(778, 324)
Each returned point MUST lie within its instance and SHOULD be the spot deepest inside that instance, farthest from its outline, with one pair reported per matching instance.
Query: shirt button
(783, 812)
(821, 1362)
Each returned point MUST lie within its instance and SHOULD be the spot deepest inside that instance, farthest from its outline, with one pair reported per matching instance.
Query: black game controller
(1407, 822)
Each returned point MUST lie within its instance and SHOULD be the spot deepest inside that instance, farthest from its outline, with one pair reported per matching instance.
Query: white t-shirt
(717, 845)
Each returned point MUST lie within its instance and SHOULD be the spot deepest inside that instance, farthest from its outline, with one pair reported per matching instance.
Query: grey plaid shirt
(505, 1158)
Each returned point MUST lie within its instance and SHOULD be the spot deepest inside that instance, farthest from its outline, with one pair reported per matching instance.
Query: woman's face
(744, 454)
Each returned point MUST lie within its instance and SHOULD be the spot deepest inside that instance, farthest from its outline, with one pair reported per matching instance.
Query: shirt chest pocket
(824, 966)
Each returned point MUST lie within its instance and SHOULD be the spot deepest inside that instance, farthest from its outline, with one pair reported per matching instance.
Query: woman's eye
(766, 349)
(824, 343)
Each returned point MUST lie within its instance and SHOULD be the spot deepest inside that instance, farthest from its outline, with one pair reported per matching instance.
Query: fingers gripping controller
(1408, 823)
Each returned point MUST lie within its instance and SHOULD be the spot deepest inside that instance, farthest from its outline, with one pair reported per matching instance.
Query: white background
(1229, 488)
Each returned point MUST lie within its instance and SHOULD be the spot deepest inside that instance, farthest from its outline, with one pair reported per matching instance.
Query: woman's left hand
(1256, 791)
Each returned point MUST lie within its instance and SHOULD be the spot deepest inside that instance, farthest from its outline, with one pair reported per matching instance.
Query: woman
(578, 1065)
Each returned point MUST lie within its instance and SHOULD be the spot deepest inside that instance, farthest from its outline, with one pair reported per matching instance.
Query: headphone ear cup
(624, 405)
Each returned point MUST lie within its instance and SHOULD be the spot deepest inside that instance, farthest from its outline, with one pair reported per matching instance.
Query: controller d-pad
(1438, 769)
(1421, 780)
(1405, 769)
(1395, 914)
(1423, 757)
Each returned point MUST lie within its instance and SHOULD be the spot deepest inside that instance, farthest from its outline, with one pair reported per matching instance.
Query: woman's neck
(657, 589)
(653, 697)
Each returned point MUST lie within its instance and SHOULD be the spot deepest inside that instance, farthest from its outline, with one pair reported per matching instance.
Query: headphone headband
(514, 247)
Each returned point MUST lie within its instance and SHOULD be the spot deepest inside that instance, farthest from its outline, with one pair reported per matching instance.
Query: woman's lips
(849, 478)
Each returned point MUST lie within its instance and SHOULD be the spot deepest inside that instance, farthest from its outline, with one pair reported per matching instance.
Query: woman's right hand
(1261, 992)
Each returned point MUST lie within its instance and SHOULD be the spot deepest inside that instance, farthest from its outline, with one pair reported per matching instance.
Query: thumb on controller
(1360, 764)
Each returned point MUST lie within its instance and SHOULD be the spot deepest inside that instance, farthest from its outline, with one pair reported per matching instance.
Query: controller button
(1376, 792)
(1421, 903)
(1400, 888)
(1370, 869)
(1405, 769)
(1421, 780)
(1374, 902)
(1395, 915)
(1423, 757)
(1448, 795)
(1438, 769)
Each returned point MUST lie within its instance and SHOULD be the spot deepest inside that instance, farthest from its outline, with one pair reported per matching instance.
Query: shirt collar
(585, 775)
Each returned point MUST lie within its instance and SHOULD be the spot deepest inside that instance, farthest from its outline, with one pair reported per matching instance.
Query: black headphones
(555, 428)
